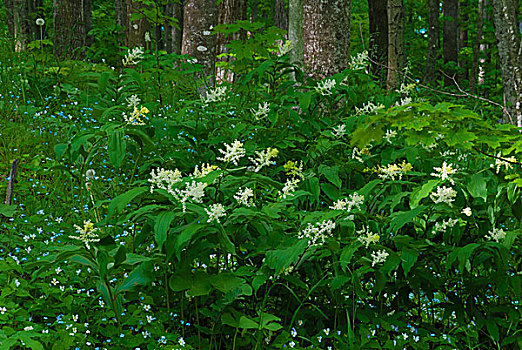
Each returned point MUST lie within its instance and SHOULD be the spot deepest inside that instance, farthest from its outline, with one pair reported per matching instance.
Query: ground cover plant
(277, 211)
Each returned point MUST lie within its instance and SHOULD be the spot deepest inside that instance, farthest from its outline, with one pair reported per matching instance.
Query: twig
(494, 156)
(10, 185)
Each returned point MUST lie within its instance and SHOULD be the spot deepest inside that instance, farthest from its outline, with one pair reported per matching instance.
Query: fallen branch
(10, 185)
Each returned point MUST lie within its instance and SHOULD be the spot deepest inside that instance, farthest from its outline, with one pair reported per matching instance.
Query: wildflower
(284, 47)
(444, 172)
(28, 328)
(389, 135)
(3, 310)
(394, 170)
(497, 234)
(136, 116)
(293, 333)
(233, 152)
(367, 237)
(325, 87)
(339, 131)
(194, 191)
(205, 170)
(40, 22)
(245, 197)
(506, 162)
(369, 108)
(215, 212)
(318, 232)
(327, 331)
(446, 224)
(215, 95)
(289, 187)
(133, 101)
(133, 56)
(466, 211)
(181, 341)
(294, 170)
(261, 111)
(405, 89)
(59, 219)
(164, 179)
(443, 195)
(291, 344)
(87, 233)
(147, 37)
(379, 257)
(360, 61)
(150, 318)
(354, 200)
(264, 158)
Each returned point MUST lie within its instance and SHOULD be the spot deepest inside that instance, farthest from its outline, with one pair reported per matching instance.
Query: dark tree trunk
(21, 18)
(198, 19)
(378, 52)
(72, 22)
(326, 36)
(433, 42)
(396, 55)
(463, 42)
(135, 29)
(450, 9)
(281, 15)
(474, 74)
(508, 43)
(173, 32)
(229, 11)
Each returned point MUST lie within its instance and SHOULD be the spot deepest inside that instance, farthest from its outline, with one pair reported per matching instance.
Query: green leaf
(162, 225)
(120, 202)
(186, 235)
(80, 259)
(141, 275)
(422, 192)
(408, 258)
(201, 284)
(247, 323)
(332, 174)
(31, 343)
(281, 259)
(225, 241)
(492, 327)
(7, 343)
(7, 210)
(402, 218)
(116, 146)
(477, 186)
(226, 282)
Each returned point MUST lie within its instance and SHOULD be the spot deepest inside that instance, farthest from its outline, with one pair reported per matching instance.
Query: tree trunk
(281, 15)
(173, 32)
(120, 11)
(508, 43)
(21, 18)
(378, 27)
(395, 43)
(326, 36)
(463, 42)
(135, 29)
(433, 41)
(295, 32)
(450, 9)
(476, 48)
(198, 19)
(72, 22)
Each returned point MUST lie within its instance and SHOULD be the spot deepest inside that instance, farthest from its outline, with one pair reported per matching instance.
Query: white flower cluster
(164, 179)
(444, 225)
(467, 211)
(405, 89)
(367, 237)
(133, 56)
(87, 233)
(289, 187)
(284, 47)
(245, 197)
(369, 108)
(233, 152)
(261, 111)
(389, 135)
(215, 95)
(318, 232)
(325, 87)
(215, 212)
(339, 131)
(205, 170)
(133, 101)
(354, 200)
(379, 256)
(136, 116)
(506, 162)
(194, 191)
(394, 170)
(444, 172)
(497, 234)
(360, 61)
(264, 158)
(443, 195)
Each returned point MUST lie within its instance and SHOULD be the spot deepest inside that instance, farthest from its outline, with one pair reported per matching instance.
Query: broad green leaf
(332, 174)
(247, 323)
(281, 259)
(408, 258)
(80, 259)
(224, 240)
(400, 219)
(7, 210)
(116, 146)
(8, 343)
(225, 282)
(201, 284)
(140, 276)
(30, 342)
(422, 192)
(162, 225)
(121, 201)
(477, 186)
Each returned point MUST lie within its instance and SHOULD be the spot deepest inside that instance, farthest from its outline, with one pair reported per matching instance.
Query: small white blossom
(497, 234)
(360, 61)
(379, 256)
(205, 170)
(289, 187)
(325, 87)
(87, 233)
(444, 225)
(354, 200)
(443, 195)
(264, 158)
(233, 152)
(444, 172)
(133, 101)
(215, 95)
(164, 179)
(369, 108)
(466, 211)
(389, 135)
(245, 197)
(133, 56)
(367, 237)
(40, 22)
(261, 111)
(215, 212)
(317, 233)
(339, 131)
(506, 162)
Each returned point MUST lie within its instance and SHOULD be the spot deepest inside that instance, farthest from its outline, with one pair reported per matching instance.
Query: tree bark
(229, 11)
(326, 36)
(476, 48)
(433, 41)
(135, 29)
(396, 56)
(21, 16)
(281, 15)
(173, 32)
(72, 23)
(200, 16)
(378, 28)
(450, 9)
(295, 32)
(508, 43)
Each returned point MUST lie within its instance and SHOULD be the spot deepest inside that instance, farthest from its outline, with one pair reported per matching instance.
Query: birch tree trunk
(295, 31)
(198, 19)
(433, 41)
(72, 22)
(173, 31)
(508, 43)
(326, 36)
(378, 27)
(396, 56)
